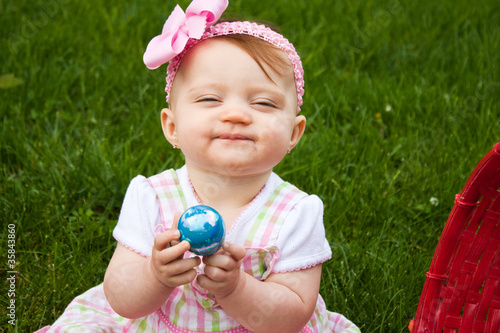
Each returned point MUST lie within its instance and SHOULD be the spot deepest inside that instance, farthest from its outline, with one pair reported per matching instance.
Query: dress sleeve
(302, 238)
(138, 217)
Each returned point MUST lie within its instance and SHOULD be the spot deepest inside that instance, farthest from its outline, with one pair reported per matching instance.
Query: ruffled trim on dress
(175, 329)
(301, 268)
(132, 249)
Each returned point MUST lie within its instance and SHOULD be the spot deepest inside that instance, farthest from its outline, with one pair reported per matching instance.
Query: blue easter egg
(203, 227)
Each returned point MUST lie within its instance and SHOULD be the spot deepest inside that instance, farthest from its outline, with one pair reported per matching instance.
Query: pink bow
(179, 27)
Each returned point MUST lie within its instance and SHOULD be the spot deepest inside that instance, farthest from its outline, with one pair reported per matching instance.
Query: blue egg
(203, 227)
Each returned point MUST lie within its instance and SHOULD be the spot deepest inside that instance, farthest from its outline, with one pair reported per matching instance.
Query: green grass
(402, 100)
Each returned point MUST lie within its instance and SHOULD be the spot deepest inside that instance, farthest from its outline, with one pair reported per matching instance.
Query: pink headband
(183, 31)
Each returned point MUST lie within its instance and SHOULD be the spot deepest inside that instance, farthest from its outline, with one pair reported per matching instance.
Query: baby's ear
(298, 130)
(168, 126)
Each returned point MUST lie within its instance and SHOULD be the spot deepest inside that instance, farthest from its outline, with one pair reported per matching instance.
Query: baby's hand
(167, 263)
(222, 270)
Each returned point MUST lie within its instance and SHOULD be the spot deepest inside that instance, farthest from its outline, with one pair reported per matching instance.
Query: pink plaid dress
(190, 308)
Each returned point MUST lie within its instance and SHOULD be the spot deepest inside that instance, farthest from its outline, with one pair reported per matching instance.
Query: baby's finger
(179, 267)
(174, 252)
(161, 241)
(177, 216)
(174, 227)
(237, 251)
(181, 279)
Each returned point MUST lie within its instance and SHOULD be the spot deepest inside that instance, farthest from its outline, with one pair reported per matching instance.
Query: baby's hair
(263, 53)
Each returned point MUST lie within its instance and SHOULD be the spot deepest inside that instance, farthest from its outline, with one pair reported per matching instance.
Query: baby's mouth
(234, 137)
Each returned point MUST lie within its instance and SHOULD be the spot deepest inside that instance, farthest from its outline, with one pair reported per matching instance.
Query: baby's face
(230, 117)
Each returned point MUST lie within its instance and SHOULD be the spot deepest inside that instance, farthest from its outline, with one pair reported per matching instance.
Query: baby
(234, 91)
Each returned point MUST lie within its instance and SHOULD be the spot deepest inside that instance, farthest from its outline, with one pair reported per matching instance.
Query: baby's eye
(265, 103)
(208, 99)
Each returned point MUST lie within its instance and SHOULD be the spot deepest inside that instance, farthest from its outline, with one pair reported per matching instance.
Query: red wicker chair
(462, 289)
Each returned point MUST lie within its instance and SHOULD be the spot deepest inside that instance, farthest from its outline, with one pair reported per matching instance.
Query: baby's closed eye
(208, 99)
(266, 102)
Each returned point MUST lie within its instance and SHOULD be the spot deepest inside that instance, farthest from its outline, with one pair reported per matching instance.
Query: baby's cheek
(266, 135)
(278, 125)
(277, 142)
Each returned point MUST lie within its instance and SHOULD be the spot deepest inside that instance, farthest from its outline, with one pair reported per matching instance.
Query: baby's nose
(236, 114)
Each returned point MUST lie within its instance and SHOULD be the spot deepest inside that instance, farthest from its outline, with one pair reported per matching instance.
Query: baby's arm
(136, 286)
(284, 302)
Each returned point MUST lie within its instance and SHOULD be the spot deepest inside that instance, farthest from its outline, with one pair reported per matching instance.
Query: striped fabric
(169, 195)
(266, 228)
(190, 307)
(91, 312)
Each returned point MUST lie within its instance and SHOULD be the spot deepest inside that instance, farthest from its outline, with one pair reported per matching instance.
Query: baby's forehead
(271, 60)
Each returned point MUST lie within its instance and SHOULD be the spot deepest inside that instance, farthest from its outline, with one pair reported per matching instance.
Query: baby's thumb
(237, 251)
(177, 216)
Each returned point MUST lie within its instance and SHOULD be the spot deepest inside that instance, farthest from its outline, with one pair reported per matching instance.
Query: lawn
(402, 100)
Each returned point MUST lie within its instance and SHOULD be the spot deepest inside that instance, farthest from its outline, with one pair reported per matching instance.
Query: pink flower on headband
(180, 27)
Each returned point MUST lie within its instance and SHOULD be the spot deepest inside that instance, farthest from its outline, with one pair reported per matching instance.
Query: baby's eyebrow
(207, 86)
(271, 93)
